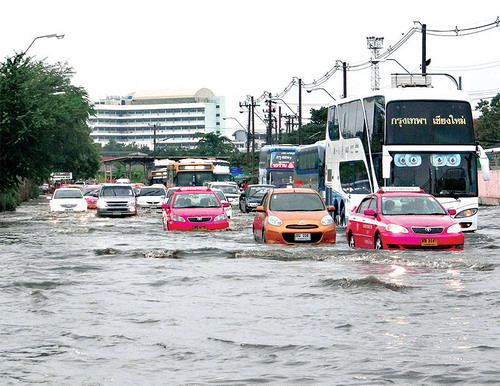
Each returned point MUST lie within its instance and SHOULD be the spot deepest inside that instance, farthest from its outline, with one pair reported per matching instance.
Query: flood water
(118, 301)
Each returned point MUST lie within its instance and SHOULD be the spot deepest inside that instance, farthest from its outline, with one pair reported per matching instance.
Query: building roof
(172, 96)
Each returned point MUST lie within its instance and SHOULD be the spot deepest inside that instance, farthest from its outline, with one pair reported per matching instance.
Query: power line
(388, 52)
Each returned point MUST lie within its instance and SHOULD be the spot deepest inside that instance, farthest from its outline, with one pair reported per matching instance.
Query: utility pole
(300, 103)
(344, 71)
(424, 49)
(375, 45)
(270, 110)
(278, 126)
(250, 133)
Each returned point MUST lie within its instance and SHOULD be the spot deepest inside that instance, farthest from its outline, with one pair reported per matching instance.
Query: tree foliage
(488, 127)
(213, 144)
(312, 132)
(43, 123)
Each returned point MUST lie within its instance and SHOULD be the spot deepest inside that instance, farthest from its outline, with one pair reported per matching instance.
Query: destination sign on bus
(194, 167)
(282, 160)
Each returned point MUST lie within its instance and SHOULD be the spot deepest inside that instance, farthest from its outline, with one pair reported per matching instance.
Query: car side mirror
(260, 208)
(226, 204)
(331, 208)
(452, 211)
(369, 212)
(165, 206)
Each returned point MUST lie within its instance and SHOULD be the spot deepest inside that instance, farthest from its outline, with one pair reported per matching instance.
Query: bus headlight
(455, 228)
(273, 220)
(395, 228)
(466, 213)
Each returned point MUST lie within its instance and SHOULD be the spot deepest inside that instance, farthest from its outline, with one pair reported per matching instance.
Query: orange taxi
(293, 216)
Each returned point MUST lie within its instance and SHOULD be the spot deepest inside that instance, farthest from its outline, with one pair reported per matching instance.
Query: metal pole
(253, 136)
(424, 49)
(344, 71)
(269, 136)
(300, 103)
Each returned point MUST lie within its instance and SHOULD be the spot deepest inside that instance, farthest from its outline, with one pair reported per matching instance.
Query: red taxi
(403, 218)
(194, 208)
(91, 195)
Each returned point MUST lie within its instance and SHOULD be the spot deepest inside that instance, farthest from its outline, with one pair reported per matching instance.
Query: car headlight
(131, 203)
(466, 213)
(455, 228)
(178, 218)
(273, 220)
(220, 217)
(101, 204)
(395, 228)
(327, 220)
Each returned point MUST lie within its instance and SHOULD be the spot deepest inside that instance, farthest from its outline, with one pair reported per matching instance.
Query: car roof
(294, 190)
(193, 189)
(68, 188)
(261, 185)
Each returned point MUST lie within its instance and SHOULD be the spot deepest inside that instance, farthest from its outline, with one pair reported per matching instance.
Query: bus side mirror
(484, 162)
(386, 164)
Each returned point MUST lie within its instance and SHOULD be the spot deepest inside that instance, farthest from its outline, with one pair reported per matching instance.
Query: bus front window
(442, 175)
(281, 178)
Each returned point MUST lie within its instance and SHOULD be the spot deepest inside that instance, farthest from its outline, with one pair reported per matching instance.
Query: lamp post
(43, 36)
(321, 88)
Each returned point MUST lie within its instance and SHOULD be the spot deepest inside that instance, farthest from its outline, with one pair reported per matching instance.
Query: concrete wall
(489, 191)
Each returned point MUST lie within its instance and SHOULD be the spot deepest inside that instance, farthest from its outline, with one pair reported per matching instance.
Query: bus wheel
(377, 242)
(350, 241)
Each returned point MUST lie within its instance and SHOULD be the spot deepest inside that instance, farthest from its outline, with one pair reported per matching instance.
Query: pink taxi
(403, 218)
(194, 208)
(91, 194)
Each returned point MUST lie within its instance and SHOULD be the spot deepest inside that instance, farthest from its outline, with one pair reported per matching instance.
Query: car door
(258, 222)
(362, 224)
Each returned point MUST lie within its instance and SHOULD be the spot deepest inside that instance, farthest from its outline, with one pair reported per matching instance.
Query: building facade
(158, 118)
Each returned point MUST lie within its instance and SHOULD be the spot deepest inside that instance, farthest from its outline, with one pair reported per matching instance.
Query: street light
(239, 123)
(321, 88)
(44, 36)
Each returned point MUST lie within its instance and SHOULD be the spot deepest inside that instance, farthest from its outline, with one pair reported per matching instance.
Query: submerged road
(97, 301)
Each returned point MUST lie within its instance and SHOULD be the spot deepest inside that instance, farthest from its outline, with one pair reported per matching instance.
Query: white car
(151, 196)
(222, 197)
(230, 190)
(68, 200)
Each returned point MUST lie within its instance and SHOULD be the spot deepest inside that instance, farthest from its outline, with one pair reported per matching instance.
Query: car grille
(436, 247)
(427, 230)
(199, 219)
(68, 206)
(315, 238)
(305, 226)
(117, 204)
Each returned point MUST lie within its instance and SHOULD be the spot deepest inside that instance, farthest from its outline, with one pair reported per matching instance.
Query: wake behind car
(194, 208)
(68, 200)
(116, 200)
(293, 215)
(403, 218)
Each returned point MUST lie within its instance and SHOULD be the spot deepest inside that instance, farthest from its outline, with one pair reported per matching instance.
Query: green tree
(487, 128)
(42, 123)
(312, 132)
(114, 148)
(212, 144)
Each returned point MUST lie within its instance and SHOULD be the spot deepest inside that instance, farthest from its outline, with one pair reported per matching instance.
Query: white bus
(404, 137)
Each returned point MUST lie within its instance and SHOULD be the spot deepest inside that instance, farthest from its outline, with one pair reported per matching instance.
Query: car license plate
(428, 242)
(200, 227)
(302, 237)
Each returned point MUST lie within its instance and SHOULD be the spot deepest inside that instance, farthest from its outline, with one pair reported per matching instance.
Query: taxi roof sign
(387, 189)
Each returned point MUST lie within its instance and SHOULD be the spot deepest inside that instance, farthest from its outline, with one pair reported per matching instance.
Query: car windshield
(196, 200)
(258, 192)
(296, 202)
(91, 192)
(152, 192)
(411, 205)
(67, 194)
(117, 191)
(220, 194)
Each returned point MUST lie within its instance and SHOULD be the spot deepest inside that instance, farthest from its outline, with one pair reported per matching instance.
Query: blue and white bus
(404, 137)
(310, 167)
(276, 165)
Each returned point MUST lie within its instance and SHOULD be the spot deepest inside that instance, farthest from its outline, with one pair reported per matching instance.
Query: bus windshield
(194, 178)
(420, 122)
(281, 178)
(440, 174)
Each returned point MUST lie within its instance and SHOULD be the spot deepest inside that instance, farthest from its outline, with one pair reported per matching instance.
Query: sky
(237, 48)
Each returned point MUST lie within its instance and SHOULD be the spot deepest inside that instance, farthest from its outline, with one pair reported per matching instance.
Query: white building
(169, 118)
